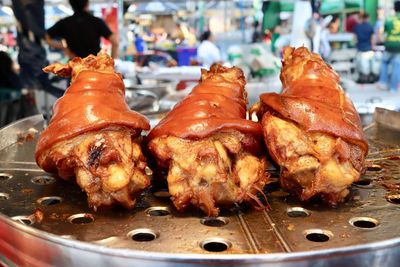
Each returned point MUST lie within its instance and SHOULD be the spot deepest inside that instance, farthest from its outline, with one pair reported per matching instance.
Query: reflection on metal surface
(387, 118)
(146, 96)
(43, 180)
(81, 218)
(5, 176)
(4, 196)
(27, 220)
(298, 212)
(374, 168)
(48, 201)
(394, 199)
(158, 211)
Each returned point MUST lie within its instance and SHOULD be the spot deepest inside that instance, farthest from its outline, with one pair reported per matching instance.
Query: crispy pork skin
(211, 153)
(93, 136)
(312, 130)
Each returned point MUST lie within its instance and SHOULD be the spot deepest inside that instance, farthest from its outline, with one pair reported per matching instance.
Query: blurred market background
(159, 47)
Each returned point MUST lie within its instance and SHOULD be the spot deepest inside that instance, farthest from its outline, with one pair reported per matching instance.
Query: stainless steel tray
(46, 222)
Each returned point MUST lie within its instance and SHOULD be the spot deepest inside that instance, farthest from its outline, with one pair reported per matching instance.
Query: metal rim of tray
(198, 258)
(178, 257)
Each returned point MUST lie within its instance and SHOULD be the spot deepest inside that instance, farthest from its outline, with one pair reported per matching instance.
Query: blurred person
(391, 56)
(10, 39)
(15, 102)
(351, 21)
(191, 38)
(177, 34)
(276, 33)
(80, 33)
(10, 90)
(256, 36)
(32, 57)
(364, 34)
(334, 25)
(379, 27)
(312, 30)
(140, 44)
(207, 52)
(318, 33)
(324, 45)
(302, 14)
(9, 79)
(333, 28)
(267, 38)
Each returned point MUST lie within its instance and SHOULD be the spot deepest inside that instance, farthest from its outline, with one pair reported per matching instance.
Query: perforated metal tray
(46, 222)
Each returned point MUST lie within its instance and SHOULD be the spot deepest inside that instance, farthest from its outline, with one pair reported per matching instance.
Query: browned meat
(312, 130)
(211, 152)
(211, 172)
(94, 136)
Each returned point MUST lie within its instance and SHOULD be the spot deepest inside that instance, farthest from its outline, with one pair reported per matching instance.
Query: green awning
(271, 16)
(339, 6)
(287, 6)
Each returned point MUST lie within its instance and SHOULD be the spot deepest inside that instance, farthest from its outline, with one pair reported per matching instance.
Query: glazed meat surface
(210, 172)
(212, 154)
(312, 130)
(93, 136)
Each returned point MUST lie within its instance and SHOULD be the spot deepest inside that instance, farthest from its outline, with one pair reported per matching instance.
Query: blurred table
(171, 73)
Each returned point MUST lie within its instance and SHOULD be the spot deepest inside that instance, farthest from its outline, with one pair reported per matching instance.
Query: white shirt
(208, 53)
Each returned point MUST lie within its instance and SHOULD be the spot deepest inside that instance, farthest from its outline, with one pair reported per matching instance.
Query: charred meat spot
(203, 182)
(94, 154)
(214, 105)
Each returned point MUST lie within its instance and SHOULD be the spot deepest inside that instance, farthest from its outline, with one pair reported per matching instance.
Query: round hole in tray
(142, 235)
(23, 219)
(4, 196)
(81, 218)
(298, 212)
(364, 222)
(374, 168)
(49, 201)
(158, 211)
(394, 199)
(214, 221)
(43, 180)
(5, 176)
(162, 193)
(215, 245)
(363, 183)
(318, 235)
